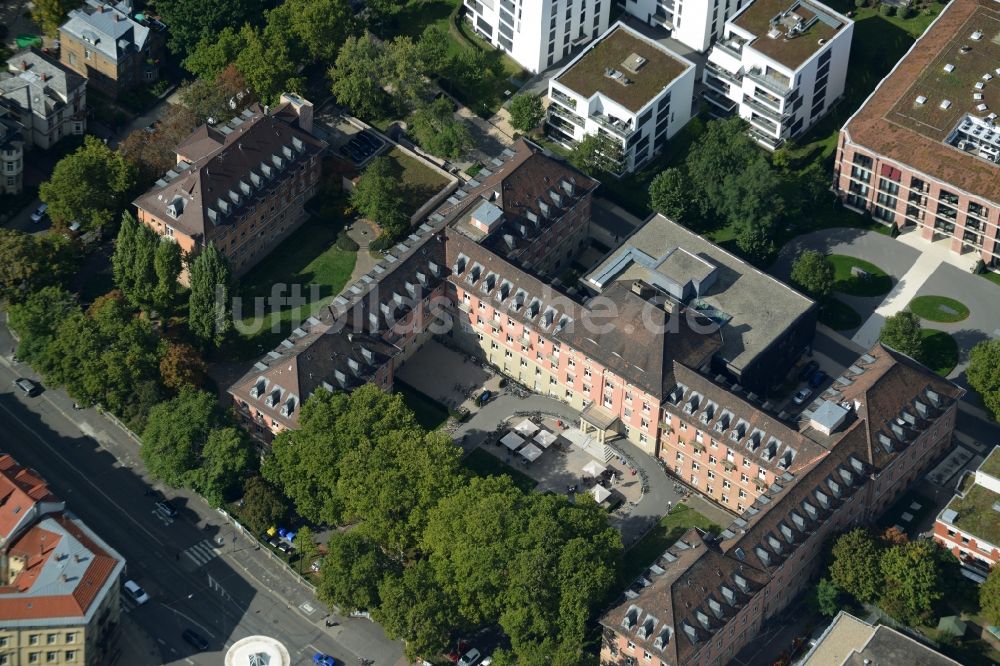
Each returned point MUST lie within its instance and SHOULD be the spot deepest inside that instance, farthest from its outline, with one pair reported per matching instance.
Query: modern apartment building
(850, 641)
(59, 582)
(627, 88)
(48, 99)
(781, 64)
(11, 154)
(857, 449)
(970, 525)
(114, 47)
(694, 23)
(538, 33)
(240, 185)
(923, 151)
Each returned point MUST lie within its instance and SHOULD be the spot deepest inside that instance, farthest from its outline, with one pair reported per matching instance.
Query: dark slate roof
(108, 28)
(37, 83)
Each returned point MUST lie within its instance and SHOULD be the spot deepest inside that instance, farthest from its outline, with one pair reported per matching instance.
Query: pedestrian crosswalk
(201, 553)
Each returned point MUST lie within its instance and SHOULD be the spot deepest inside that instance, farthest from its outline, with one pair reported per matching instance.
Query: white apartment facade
(694, 23)
(626, 87)
(538, 33)
(781, 65)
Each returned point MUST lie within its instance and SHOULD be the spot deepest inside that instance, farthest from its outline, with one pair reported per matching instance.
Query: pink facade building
(923, 152)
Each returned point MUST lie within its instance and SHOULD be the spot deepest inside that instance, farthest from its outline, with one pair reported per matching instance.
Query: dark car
(484, 398)
(195, 639)
(818, 378)
(29, 387)
(807, 370)
(166, 508)
(286, 547)
(324, 659)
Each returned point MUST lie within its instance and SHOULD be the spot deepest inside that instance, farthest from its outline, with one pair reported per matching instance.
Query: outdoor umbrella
(600, 493)
(512, 441)
(593, 468)
(545, 439)
(531, 452)
(526, 428)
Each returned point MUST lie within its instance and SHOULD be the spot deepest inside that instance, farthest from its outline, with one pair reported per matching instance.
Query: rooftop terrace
(625, 67)
(976, 513)
(991, 465)
(789, 31)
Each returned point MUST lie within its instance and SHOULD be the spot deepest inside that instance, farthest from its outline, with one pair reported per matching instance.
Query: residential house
(48, 99)
(969, 526)
(781, 65)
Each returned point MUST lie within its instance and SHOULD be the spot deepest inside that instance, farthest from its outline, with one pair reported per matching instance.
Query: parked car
(470, 658)
(818, 378)
(286, 547)
(137, 594)
(29, 387)
(484, 398)
(195, 639)
(324, 659)
(802, 395)
(166, 508)
(274, 541)
(39, 213)
(807, 370)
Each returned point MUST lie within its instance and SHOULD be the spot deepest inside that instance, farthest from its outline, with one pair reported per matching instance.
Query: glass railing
(781, 88)
(723, 73)
(563, 98)
(616, 126)
(566, 115)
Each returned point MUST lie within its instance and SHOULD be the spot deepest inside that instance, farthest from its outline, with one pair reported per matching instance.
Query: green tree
(175, 433)
(209, 308)
(37, 318)
(29, 262)
(414, 608)
(266, 65)
(984, 373)
(190, 21)
(753, 238)
(352, 570)
(526, 112)
(902, 332)
(989, 597)
(167, 267)
(151, 151)
(50, 14)
(913, 581)
(305, 543)
(439, 131)
(213, 53)
(142, 278)
(227, 459)
(263, 506)
(598, 154)
(357, 76)
(432, 50)
(825, 598)
(126, 247)
(215, 98)
(855, 567)
(377, 197)
(90, 186)
(670, 195)
(305, 463)
(720, 154)
(813, 273)
(403, 71)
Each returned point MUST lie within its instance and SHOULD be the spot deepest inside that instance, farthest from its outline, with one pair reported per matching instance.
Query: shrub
(887, 10)
(346, 243)
(860, 3)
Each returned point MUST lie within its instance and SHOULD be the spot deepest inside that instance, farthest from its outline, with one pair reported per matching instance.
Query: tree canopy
(175, 433)
(902, 332)
(90, 186)
(439, 131)
(357, 76)
(989, 597)
(191, 21)
(209, 307)
(984, 373)
(151, 151)
(526, 112)
(263, 506)
(855, 568)
(912, 581)
(30, 262)
(813, 273)
(227, 457)
(597, 154)
(377, 197)
(670, 195)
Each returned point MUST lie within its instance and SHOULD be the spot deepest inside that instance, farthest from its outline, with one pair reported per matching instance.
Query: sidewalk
(897, 299)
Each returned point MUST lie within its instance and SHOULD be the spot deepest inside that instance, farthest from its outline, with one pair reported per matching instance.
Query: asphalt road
(190, 581)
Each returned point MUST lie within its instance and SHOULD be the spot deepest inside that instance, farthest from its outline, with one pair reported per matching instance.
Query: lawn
(655, 543)
(430, 413)
(939, 308)
(993, 276)
(876, 283)
(420, 182)
(308, 260)
(838, 315)
(483, 463)
(940, 351)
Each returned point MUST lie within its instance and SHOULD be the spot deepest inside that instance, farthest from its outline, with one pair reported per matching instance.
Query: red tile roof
(20, 490)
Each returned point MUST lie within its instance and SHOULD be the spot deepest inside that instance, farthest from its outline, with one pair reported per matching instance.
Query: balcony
(563, 98)
(769, 141)
(712, 96)
(731, 47)
(765, 125)
(618, 127)
(568, 116)
(778, 87)
(766, 111)
(724, 74)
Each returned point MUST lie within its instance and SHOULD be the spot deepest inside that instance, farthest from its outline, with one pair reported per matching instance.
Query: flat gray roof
(759, 307)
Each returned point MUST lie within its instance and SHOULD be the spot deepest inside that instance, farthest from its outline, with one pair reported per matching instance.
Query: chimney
(303, 109)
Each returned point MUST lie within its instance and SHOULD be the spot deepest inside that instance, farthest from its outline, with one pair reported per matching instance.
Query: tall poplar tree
(210, 311)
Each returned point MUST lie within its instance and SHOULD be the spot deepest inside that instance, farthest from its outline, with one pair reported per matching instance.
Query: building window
(33, 639)
(70, 655)
(51, 656)
(51, 639)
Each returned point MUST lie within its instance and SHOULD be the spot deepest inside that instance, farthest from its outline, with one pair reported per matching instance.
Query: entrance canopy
(593, 468)
(512, 441)
(531, 452)
(526, 428)
(600, 493)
